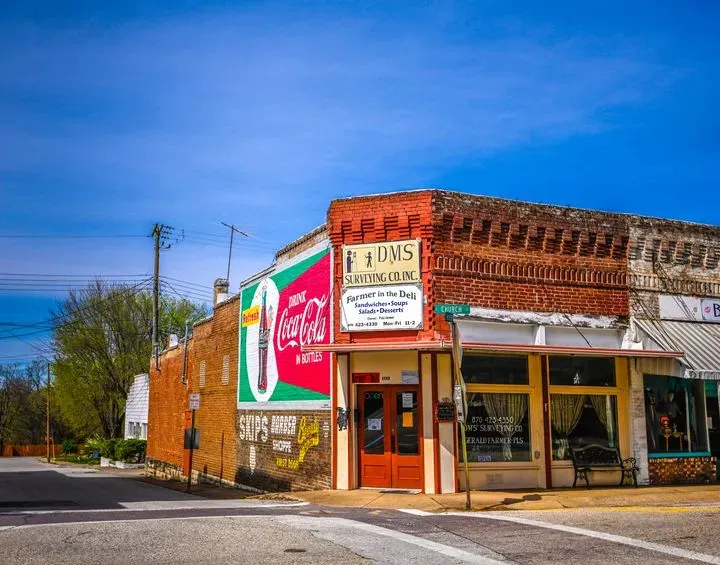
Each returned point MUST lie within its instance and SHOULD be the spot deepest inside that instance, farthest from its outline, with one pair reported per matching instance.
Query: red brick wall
(166, 408)
(284, 450)
(212, 340)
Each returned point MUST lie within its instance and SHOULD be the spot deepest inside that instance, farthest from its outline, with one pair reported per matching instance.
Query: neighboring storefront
(681, 396)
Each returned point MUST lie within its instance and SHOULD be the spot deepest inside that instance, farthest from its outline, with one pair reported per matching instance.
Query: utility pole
(47, 414)
(233, 229)
(159, 234)
(157, 230)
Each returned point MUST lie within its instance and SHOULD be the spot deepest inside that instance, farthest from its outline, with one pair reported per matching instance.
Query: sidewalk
(664, 496)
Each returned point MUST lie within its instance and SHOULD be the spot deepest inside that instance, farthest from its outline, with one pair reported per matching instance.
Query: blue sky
(259, 113)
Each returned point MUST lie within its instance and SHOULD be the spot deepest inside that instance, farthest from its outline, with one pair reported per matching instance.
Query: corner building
(546, 332)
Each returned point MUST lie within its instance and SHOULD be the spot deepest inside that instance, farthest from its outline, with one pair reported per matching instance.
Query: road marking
(651, 546)
(656, 509)
(129, 520)
(416, 512)
(305, 523)
(158, 507)
(445, 550)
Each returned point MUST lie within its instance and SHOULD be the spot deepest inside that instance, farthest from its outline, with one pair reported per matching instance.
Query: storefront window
(495, 369)
(582, 419)
(582, 371)
(497, 427)
(675, 415)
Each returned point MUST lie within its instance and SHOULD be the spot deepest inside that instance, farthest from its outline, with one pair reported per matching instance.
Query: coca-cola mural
(279, 314)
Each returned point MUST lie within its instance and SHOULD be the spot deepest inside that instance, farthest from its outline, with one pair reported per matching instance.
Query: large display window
(583, 403)
(675, 415)
(497, 425)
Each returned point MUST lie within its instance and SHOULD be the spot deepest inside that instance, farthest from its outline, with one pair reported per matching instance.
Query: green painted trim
(674, 455)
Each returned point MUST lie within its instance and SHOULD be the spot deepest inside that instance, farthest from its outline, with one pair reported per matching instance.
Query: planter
(105, 462)
(123, 465)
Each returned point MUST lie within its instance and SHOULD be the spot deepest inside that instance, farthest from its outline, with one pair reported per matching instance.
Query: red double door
(390, 437)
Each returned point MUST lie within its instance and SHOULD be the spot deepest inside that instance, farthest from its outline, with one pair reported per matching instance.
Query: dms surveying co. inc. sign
(281, 313)
(382, 286)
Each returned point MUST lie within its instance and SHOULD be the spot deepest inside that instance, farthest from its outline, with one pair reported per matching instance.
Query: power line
(187, 283)
(69, 236)
(58, 275)
(185, 294)
(134, 289)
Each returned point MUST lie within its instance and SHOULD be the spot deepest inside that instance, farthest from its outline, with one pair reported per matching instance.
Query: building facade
(575, 327)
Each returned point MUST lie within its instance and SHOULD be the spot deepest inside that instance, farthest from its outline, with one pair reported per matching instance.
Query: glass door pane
(406, 421)
(374, 423)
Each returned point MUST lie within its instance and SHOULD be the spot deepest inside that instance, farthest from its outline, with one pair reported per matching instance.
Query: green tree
(23, 405)
(102, 338)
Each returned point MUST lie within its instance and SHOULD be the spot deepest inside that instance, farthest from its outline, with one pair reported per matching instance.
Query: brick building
(207, 365)
(576, 327)
(549, 297)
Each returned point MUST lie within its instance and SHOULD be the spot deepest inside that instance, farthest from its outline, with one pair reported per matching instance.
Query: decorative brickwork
(512, 255)
(686, 470)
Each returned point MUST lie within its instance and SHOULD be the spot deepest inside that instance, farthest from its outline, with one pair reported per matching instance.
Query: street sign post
(194, 405)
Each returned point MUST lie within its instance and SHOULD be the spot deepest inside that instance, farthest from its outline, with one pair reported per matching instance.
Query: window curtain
(603, 409)
(511, 406)
(565, 411)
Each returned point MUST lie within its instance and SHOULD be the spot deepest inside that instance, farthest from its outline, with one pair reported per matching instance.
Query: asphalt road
(59, 515)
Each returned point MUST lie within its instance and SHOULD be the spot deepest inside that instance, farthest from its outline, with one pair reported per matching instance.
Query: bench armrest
(629, 463)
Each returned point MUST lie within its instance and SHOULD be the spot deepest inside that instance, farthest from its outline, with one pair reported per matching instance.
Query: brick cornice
(529, 272)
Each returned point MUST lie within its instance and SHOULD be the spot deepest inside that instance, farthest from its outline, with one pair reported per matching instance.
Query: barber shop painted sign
(281, 313)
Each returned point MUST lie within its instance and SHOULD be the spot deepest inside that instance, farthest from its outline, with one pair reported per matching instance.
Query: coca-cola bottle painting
(266, 320)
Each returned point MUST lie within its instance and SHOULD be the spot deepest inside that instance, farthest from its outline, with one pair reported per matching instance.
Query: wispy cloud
(237, 110)
(260, 117)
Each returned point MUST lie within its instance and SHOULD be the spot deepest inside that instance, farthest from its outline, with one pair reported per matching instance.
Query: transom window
(495, 369)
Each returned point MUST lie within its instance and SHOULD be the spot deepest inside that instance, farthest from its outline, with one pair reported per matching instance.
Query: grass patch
(81, 459)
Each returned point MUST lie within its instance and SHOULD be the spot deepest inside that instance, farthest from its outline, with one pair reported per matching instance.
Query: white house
(136, 409)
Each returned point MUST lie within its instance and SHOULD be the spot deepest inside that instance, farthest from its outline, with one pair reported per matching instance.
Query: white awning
(700, 342)
(503, 337)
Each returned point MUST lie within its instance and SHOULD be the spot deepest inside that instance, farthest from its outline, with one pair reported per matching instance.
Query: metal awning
(566, 350)
(699, 341)
(489, 348)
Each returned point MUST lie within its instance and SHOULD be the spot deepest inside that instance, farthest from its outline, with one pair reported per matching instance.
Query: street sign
(452, 308)
(195, 401)
(459, 404)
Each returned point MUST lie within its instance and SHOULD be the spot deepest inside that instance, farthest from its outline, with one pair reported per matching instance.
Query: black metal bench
(596, 457)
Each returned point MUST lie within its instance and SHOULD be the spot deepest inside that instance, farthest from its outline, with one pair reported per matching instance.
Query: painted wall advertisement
(382, 287)
(279, 314)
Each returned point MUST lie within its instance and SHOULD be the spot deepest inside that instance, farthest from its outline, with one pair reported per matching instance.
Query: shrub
(107, 448)
(130, 450)
(92, 445)
(68, 446)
